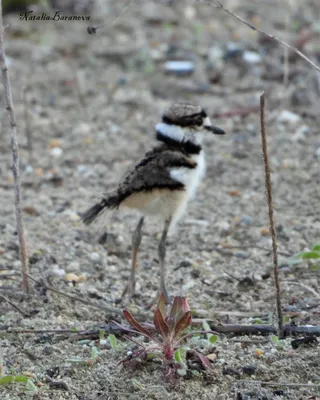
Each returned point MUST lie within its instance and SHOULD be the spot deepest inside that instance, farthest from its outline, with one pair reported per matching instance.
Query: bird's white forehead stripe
(172, 131)
(207, 122)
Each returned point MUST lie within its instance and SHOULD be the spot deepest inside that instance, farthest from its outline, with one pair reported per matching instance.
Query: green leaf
(307, 255)
(7, 379)
(113, 342)
(316, 247)
(286, 319)
(274, 339)
(31, 387)
(136, 384)
(180, 355)
(213, 339)
(94, 353)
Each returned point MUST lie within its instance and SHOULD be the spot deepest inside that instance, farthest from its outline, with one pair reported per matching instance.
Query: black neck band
(188, 146)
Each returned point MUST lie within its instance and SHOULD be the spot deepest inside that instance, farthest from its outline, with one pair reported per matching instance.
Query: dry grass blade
(15, 306)
(271, 218)
(15, 156)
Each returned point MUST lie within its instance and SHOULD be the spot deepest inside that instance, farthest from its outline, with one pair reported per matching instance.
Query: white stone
(288, 117)
(94, 256)
(251, 57)
(56, 152)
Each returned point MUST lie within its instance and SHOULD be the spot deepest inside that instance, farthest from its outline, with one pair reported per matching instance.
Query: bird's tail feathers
(93, 213)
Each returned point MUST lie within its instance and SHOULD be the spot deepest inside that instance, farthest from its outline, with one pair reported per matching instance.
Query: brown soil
(92, 103)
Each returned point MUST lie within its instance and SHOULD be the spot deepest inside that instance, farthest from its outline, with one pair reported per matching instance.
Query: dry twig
(254, 28)
(310, 385)
(15, 156)
(271, 218)
(316, 294)
(14, 306)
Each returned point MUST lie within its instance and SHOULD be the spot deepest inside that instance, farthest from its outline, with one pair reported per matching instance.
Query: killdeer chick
(162, 182)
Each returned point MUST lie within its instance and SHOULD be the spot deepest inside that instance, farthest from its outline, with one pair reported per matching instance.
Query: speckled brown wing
(153, 172)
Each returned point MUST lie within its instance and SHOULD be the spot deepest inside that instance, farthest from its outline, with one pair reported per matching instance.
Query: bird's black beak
(215, 130)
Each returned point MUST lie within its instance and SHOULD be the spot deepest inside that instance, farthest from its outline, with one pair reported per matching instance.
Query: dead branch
(271, 218)
(230, 329)
(14, 306)
(242, 112)
(310, 385)
(109, 309)
(76, 298)
(314, 292)
(15, 156)
(263, 330)
(254, 28)
(28, 130)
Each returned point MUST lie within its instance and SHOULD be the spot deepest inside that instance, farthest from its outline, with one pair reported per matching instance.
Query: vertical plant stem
(15, 157)
(271, 218)
(27, 122)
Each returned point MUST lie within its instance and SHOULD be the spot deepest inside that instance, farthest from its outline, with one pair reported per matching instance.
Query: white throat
(173, 132)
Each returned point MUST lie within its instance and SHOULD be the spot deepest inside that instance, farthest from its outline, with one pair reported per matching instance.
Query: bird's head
(185, 122)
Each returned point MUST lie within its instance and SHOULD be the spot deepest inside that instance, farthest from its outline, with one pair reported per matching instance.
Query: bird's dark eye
(198, 121)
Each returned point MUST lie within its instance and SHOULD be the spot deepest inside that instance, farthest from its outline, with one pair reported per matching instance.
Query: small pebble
(241, 254)
(17, 264)
(28, 170)
(251, 57)
(82, 129)
(301, 134)
(95, 257)
(71, 277)
(56, 152)
(318, 153)
(246, 220)
(179, 67)
(249, 370)
(288, 117)
(54, 143)
(58, 271)
(233, 50)
(265, 231)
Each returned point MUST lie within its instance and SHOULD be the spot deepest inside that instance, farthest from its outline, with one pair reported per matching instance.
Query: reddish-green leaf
(176, 307)
(133, 322)
(162, 305)
(183, 323)
(160, 324)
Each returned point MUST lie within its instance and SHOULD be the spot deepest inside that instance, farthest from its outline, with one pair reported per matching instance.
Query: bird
(163, 181)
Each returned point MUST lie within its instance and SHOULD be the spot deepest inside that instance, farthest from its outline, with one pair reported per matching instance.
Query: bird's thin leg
(162, 254)
(136, 240)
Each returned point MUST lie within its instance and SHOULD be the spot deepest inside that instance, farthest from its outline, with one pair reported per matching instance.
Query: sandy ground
(90, 105)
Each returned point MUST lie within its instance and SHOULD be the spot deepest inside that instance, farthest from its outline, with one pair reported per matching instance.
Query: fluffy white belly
(191, 178)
